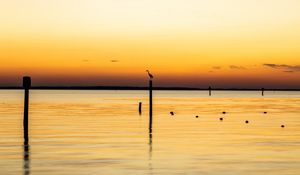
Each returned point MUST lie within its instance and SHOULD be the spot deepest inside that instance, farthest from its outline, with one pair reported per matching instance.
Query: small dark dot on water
(246, 121)
(282, 126)
(223, 112)
(265, 112)
(172, 113)
(221, 119)
(197, 116)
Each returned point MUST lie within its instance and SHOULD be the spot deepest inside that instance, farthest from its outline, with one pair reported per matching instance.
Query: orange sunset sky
(191, 43)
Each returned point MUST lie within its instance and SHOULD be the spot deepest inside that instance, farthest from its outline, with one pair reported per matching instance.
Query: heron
(150, 75)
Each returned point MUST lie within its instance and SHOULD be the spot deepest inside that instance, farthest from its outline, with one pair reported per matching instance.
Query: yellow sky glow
(179, 40)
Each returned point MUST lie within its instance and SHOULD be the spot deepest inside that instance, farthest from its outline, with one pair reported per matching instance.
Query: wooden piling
(26, 86)
(140, 108)
(150, 106)
(209, 90)
(262, 91)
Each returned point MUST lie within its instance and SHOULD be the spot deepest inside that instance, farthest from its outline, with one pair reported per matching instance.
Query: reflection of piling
(150, 146)
(262, 91)
(150, 106)
(209, 90)
(26, 159)
(26, 86)
(140, 108)
(150, 143)
(150, 154)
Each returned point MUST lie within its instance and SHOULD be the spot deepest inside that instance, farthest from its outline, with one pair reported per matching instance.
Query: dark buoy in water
(282, 126)
(223, 112)
(221, 119)
(172, 113)
(265, 112)
(197, 116)
(246, 121)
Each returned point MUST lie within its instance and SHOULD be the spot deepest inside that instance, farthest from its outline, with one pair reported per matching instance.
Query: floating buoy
(221, 119)
(265, 112)
(246, 121)
(197, 116)
(172, 113)
(282, 126)
(223, 112)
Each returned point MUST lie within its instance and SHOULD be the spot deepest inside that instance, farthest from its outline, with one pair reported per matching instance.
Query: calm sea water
(101, 132)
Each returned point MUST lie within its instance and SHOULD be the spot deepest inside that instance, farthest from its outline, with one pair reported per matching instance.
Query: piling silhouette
(26, 160)
(150, 121)
(262, 91)
(209, 90)
(150, 106)
(26, 86)
(140, 108)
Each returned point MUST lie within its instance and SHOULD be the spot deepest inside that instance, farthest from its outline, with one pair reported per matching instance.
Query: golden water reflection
(101, 132)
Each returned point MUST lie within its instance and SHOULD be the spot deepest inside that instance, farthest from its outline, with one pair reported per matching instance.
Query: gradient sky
(196, 43)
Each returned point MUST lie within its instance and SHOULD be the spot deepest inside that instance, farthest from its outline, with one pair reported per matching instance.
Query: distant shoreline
(138, 88)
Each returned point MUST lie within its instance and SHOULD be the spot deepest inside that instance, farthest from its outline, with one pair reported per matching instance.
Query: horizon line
(142, 88)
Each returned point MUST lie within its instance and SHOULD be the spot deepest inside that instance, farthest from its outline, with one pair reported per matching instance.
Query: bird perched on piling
(150, 75)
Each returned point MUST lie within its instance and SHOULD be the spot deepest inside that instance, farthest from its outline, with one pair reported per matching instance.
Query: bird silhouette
(150, 75)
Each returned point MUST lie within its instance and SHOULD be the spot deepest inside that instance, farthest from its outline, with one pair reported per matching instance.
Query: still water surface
(101, 132)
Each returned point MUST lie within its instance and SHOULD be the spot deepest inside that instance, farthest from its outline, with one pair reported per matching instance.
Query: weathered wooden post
(209, 89)
(150, 106)
(140, 108)
(26, 86)
(262, 91)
